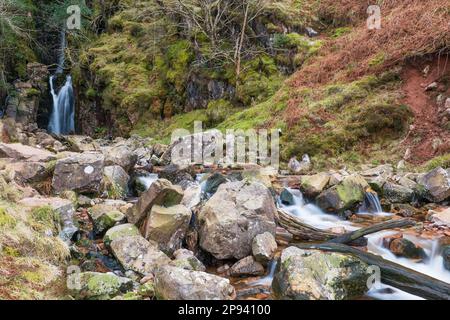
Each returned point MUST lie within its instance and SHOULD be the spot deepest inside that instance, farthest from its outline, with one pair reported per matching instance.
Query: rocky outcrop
(137, 254)
(167, 226)
(315, 275)
(230, 220)
(172, 283)
(162, 193)
(82, 173)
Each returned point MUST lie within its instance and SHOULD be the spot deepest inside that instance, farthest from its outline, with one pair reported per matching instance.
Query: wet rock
(404, 248)
(213, 182)
(346, 195)
(315, 184)
(287, 196)
(162, 193)
(115, 182)
(315, 275)
(168, 226)
(186, 259)
(22, 152)
(436, 184)
(120, 155)
(446, 257)
(137, 254)
(120, 231)
(173, 283)
(264, 247)
(230, 220)
(247, 266)
(396, 193)
(97, 286)
(82, 173)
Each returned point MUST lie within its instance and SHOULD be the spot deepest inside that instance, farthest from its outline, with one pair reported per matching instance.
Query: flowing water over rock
(148, 180)
(63, 114)
(62, 119)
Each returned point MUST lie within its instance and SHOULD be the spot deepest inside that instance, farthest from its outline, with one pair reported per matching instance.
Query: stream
(314, 216)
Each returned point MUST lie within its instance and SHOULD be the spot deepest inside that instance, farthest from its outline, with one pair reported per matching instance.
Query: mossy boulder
(98, 286)
(315, 275)
(346, 195)
(120, 231)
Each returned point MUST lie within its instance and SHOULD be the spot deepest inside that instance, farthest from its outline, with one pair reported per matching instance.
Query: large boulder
(139, 255)
(264, 247)
(97, 286)
(82, 173)
(436, 184)
(315, 275)
(162, 192)
(22, 152)
(441, 218)
(120, 155)
(168, 226)
(236, 213)
(172, 283)
(346, 195)
(396, 193)
(120, 231)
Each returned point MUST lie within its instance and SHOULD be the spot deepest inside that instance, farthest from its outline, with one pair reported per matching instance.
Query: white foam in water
(148, 180)
(313, 215)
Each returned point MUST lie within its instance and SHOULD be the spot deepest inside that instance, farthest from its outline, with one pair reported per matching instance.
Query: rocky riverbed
(135, 226)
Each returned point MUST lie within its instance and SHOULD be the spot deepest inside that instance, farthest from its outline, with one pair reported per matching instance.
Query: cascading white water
(148, 180)
(62, 119)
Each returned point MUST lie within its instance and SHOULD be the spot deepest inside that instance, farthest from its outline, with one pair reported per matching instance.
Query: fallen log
(354, 235)
(392, 273)
(305, 232)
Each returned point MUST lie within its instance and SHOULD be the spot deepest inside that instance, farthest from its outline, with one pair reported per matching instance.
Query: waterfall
(372, 205)
(62, 119)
